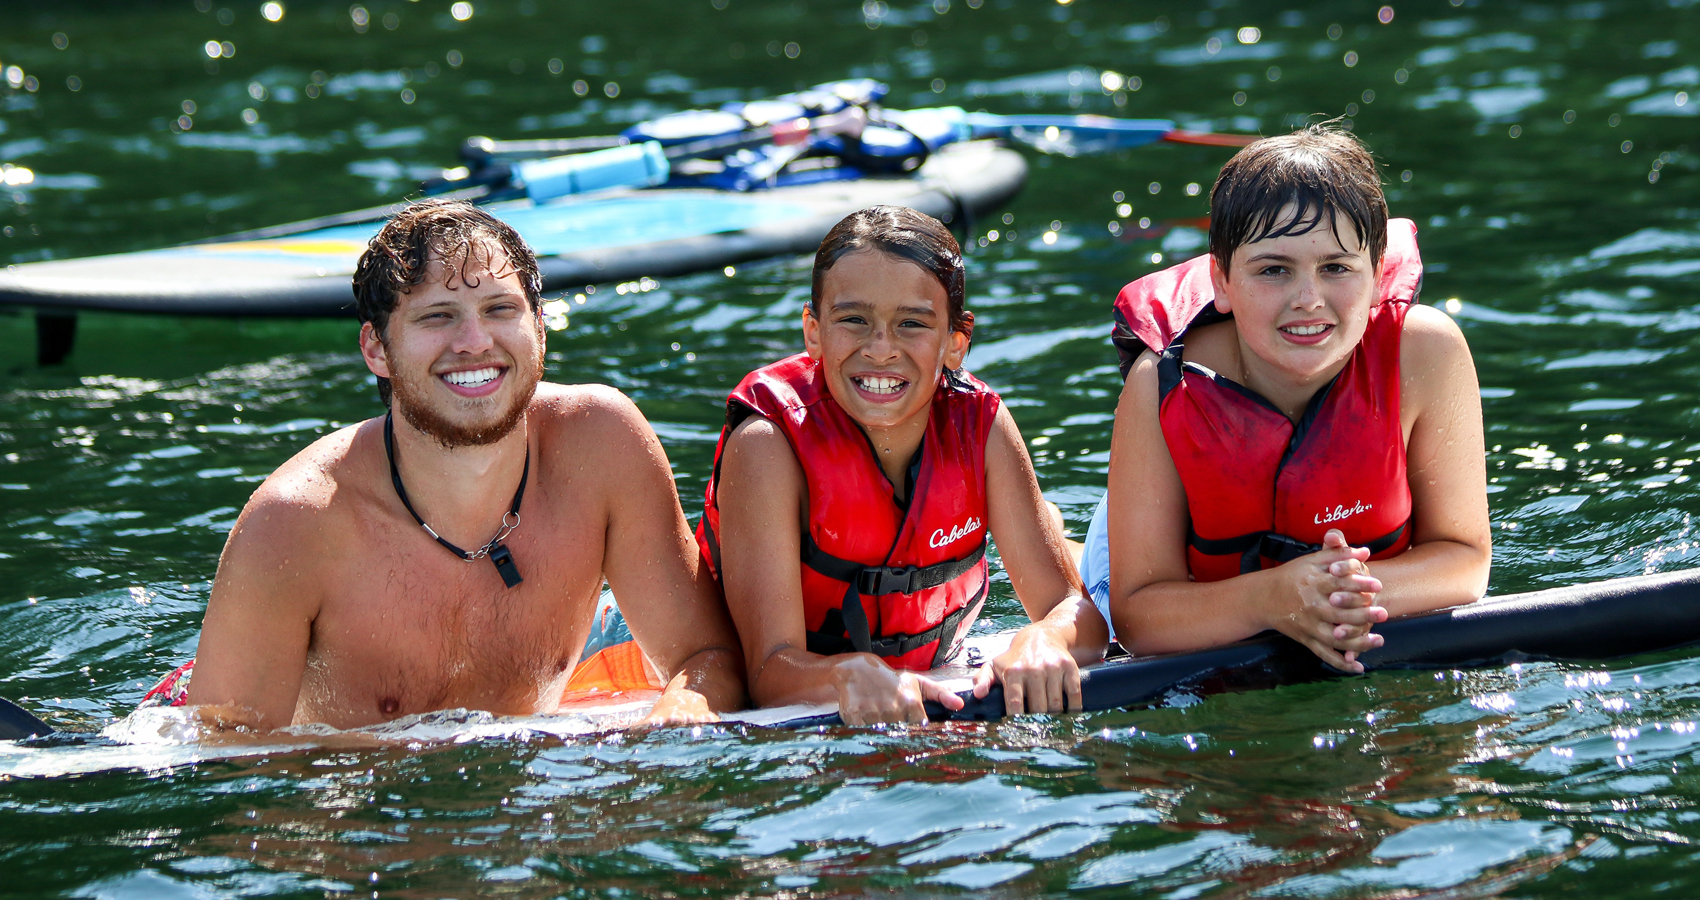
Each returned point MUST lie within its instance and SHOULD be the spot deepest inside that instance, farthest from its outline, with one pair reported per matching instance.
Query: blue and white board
(586, 239)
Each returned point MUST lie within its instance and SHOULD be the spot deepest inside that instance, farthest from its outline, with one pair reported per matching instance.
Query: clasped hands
(1327, 601)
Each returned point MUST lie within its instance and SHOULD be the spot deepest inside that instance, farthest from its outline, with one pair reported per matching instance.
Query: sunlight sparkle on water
(124, 468)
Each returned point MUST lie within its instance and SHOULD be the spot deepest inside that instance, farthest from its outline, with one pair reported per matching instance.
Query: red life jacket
(1261, 489)
(902, 583)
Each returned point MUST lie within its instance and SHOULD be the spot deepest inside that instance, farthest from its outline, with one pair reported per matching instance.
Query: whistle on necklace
(504, 560)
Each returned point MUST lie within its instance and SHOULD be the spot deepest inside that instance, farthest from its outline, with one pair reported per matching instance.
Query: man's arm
(253, 647)
(652, 564)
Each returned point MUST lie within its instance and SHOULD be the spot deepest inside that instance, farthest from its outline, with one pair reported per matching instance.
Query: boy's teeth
(1305, 329)
(472, 378)
(879, 385)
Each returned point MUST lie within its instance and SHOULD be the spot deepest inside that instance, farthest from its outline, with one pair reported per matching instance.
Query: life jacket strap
(833, 639)
(1259, 545)
(852, 626)
(877, 581)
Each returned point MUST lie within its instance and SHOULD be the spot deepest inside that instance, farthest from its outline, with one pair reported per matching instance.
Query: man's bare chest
(406, 626)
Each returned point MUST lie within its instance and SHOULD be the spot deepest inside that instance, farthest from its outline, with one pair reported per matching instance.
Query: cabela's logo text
(942, 538)
(1342, 512)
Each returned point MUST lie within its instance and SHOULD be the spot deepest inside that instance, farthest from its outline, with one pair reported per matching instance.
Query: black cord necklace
(499, 554)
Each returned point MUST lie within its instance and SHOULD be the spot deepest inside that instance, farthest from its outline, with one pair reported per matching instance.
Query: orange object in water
(613, 674)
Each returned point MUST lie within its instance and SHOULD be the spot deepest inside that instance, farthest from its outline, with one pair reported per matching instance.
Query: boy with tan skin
(855, 486)
(1307, 455)
(333, 605)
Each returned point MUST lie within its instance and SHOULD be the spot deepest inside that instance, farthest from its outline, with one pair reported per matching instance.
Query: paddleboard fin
(16, 723)
(55, 335)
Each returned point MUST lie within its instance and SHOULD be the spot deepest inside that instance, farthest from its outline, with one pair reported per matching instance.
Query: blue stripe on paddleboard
(574, 227)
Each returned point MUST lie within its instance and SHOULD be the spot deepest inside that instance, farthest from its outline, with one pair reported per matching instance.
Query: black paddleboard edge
(1585, 622)
(1594, 621)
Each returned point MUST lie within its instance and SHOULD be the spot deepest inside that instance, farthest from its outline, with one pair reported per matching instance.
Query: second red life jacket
(902, 582)
(1260, 488)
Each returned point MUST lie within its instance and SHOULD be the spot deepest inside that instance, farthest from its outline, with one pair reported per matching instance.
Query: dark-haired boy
(451, 552)
(1298, 446)
(856, 485)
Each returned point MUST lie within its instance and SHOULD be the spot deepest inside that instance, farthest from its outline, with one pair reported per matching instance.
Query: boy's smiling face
(883, 336)
(1300, 302)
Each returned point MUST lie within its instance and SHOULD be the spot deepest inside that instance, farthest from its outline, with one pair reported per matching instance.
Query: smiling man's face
(463, 350)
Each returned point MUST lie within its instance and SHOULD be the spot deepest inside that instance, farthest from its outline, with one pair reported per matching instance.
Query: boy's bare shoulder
(1434, 364)
(757, 437)
(1142, 380)
(1430, 336)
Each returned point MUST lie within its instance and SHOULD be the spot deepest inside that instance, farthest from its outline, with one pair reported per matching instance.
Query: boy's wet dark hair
(903, 233)
(1322, 171)
(398, 258)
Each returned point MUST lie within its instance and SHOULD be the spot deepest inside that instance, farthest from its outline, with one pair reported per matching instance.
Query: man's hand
(1037, 672)
(679, 705)
(869, 692)
(1327, 603)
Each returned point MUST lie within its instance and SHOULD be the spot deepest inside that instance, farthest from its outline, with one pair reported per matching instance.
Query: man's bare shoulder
(592, 418)
(306, 493)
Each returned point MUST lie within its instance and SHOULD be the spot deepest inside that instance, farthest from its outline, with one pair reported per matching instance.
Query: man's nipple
(389, 705)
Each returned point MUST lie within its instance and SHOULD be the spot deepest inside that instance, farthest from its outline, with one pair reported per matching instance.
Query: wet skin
(332, 605)
(883, 338)
(1301, 304)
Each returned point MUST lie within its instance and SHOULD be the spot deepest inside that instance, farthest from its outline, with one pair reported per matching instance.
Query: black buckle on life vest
(877, 581)
(832, 638)
(895, 644)
(1281, 548)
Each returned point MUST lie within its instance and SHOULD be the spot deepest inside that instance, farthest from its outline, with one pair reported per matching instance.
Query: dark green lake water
(1547, 150)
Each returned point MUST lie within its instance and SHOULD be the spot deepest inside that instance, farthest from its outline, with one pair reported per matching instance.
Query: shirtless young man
(332, 604)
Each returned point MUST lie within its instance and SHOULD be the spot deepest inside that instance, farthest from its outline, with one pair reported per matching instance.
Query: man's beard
(407, 398)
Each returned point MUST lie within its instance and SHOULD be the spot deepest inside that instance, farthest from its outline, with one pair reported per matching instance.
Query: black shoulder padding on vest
(1169, 372)
(736, 413)
(1129, 346)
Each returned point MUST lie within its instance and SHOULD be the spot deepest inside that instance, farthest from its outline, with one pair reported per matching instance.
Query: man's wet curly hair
(453, 232)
